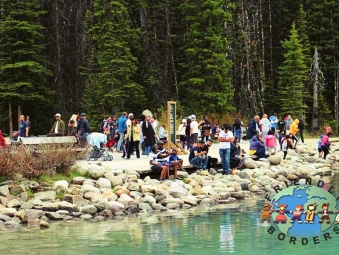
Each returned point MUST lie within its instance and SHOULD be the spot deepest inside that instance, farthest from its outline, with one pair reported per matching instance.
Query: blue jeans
(225, 155)
(261, 152)
(148, 150)
(238, 134)
(188, 142)
(121, 139)
(197, 161)
(205, 162)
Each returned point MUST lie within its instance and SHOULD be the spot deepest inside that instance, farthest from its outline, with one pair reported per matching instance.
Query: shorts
(320, 150)
(182, 138)
(166, 162)
(194, 138)
(156, 168)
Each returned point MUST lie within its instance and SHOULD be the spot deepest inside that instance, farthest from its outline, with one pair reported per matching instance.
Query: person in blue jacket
(121, 124)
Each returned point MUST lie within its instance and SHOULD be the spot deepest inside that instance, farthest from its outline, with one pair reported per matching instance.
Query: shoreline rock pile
(106, 193)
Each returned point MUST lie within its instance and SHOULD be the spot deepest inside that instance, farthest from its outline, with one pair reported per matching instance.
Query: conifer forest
(221, 57)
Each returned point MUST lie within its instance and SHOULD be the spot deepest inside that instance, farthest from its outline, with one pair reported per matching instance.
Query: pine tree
(205, 84)
(114, 65)
(23, 72)
(292, 76)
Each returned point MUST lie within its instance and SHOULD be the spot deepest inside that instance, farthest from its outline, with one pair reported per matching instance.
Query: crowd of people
(145, 136)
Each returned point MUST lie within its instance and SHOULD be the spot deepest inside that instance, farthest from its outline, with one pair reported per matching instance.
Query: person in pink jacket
(270, 142)
(325, 144)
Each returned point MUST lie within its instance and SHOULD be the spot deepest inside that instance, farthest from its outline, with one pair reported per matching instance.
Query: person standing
(205, 128)
(194, 131)
(282, 126)
(289, 122)
(182, 132)
(265, 126)
(121, 128)
(293, 131)
(188, 133)
(133, 134)
(29, 125)
(2, 141)
(301, 127)
(253, 128)
(325, 144)
(237, 128)
(23, 127)
(225, 138)
(274, 120)
(149, 134)
(83, 129)
(58, 128)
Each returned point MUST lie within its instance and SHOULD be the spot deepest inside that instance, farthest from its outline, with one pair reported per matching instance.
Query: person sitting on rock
(157, 166)
(209, 163)
(163, 155)
(174, 157)
(197, 156)
(237, 158)
(257, 148)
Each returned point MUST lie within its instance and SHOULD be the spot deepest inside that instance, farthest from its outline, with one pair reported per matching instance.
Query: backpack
(102, 125)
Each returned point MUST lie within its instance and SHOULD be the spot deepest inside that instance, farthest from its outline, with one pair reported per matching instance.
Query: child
(319, 147)
(174, 157)
(270, 142)
(286, 143)
(280, 138)
(155, 165)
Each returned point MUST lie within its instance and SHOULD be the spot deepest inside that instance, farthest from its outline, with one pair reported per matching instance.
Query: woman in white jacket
(181, 132)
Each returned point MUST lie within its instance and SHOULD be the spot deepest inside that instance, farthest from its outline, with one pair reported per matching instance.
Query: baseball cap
(131, 114)
(193, 117)
(83, 114)
(58, 115)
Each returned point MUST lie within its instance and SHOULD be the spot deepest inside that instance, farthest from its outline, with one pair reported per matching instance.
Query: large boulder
(88, 188)
(145, 206)
(148, 199)
(147, 189)
(60, 186)
(45, 196)
(250, 164)
(64, 205)
(96, 171)
(81, 168)
(18, 189)
(104, 183)
(4, 190)
(78, 180)
(274, 159)
(89, 209)
(115, 180)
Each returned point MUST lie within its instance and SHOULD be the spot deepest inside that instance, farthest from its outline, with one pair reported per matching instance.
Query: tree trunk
(19, 114)
(315, 110)
(10, 120)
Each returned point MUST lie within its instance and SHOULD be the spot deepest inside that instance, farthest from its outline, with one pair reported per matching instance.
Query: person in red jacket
(2, 141)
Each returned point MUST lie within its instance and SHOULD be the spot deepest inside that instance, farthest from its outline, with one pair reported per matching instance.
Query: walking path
(142, 165)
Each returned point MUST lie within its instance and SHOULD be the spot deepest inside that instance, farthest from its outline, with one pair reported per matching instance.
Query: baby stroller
(98, 141)
(97, 153)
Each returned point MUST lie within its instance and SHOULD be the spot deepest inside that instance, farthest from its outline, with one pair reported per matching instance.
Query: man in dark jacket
(301, 127)
(83, 129)
(253, 127)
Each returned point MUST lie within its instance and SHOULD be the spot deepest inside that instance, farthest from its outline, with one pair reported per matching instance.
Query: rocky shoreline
(102, 192)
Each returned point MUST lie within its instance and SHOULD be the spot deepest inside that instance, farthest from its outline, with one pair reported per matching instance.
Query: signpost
(171, 118)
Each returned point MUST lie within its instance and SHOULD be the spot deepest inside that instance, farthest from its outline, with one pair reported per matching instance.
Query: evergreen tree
(114, 66)
(205, 84)
(292, 76)
(23, 72)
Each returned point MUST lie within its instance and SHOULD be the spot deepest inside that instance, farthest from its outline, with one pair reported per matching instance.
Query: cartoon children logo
(294, 212)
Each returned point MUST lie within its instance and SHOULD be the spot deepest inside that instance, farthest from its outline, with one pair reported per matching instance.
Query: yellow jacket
(294, 127)
(136, 132)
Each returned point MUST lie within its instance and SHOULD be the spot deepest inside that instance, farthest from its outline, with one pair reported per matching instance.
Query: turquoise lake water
(220, 231)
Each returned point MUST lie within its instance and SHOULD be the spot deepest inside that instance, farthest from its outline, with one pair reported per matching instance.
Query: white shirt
(56, 127)
(225, 145)
(194, 127)
(182, 129)
(265, 125)
(152, 156)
